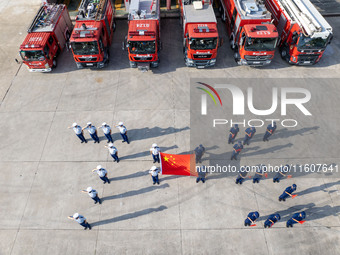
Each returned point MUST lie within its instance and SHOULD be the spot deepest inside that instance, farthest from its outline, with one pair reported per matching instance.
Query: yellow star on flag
(166, 159)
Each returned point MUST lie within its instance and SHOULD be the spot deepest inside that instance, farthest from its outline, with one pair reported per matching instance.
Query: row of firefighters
(294, 26)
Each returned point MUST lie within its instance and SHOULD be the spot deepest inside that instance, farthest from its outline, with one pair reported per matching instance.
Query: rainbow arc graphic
(204, 97)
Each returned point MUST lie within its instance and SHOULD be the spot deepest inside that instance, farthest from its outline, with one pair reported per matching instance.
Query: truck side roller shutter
(108, 27)
(281, 24)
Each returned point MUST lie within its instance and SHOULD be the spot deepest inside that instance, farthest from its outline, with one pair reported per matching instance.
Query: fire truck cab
(46, 38)
(252, 36)
(143, 39)
(200, 35)
(93, 33)
(304, 33)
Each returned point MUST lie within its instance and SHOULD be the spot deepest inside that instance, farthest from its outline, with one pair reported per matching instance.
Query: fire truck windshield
(312, 43)
(85, 48)
(203, 43)
(32, 55)
(260, 44)
(142, 47)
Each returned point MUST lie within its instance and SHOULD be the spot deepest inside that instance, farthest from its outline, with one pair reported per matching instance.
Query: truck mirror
(221, 41)
(18, 62)
(68, 46)
(330, 39)
(241, 41)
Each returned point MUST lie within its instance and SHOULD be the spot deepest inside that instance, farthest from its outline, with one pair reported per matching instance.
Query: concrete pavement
(44, 166)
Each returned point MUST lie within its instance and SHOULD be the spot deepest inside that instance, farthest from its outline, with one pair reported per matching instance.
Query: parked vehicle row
(295, 26)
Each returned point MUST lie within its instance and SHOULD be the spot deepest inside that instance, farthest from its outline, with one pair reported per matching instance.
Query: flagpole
(159, 155)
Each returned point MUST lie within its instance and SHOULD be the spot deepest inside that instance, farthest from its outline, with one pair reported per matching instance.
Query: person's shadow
(146, 153)
(129, 216)
(145, 133)
(319, 188)
(136, 192)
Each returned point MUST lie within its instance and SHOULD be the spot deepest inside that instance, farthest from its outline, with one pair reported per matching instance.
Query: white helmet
(110, 145)
(76, 215)
(154, 145)
(74, 124)
(153, 168)
(89, 123)
(99, 167)
(89, 189)
(104, 124)
(120, 123)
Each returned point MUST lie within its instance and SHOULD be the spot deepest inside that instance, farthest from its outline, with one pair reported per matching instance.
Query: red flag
(253, 225)
(302, 221)
(266, 175)
(289, 176)
(294, 196)
(173, 164)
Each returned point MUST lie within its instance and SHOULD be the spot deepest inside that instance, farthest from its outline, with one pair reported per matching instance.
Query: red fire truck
(200, 33)
(143, 39)
(93, 32)
(252, 36)
(304, 33)
(47, 36)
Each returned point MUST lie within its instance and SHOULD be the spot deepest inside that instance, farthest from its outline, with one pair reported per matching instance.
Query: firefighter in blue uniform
(272, 219)
(281, 173)
(242, 174)
(297, 217)
(233, 133)
(250, 132)
(287, 193)
(270, 130)
(251, 218)
(259, 173)
(237, 148)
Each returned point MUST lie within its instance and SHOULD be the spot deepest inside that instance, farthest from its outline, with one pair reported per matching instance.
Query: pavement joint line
(258, 209)
(184, 229)
(10, 86)
(180, 216)
(37, 168)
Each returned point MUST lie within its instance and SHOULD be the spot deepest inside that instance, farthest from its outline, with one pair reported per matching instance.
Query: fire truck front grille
(199, 56)
(307, 58)
(88, 59)
(257, 58)
(142, 58)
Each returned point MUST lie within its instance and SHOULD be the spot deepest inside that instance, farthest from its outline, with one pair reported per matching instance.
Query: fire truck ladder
(302, 15)
(100, 10)
(46, 16)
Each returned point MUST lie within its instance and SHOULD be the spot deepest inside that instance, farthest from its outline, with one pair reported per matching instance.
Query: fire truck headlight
(268, 61)
(213, 61)
(243, 61)
(293, 59)
(47, 66)
(190, 61)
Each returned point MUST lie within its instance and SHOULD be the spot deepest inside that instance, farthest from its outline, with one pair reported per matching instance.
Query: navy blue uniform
(237, 149)
(288, 190)
(296, 218)
(233, 133)
(242, 174)
(199, 152)
(259, 174)
(251, 218)
(270, 130)
(281, 173)
(250, 132)
(202, 173)
(272, 219)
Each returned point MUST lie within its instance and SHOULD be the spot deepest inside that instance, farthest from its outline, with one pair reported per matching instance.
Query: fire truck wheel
(284, 53)
(54, 63)
(223, 16)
